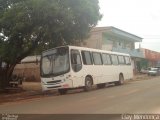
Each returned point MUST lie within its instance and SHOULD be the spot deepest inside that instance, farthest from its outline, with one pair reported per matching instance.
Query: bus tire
(121, 80)
(62, 91)
(102, 85)
(88, 83)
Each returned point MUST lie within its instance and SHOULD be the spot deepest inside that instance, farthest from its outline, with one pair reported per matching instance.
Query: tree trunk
(1, 79)
(10, 71)
(0, 73)
(5, 75)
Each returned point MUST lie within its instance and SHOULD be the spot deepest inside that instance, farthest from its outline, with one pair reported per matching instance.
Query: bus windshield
(55, 62)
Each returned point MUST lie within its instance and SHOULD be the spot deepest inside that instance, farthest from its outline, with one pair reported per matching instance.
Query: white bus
(69, 67)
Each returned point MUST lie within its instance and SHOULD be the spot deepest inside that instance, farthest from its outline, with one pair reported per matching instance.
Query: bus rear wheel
(121, 80)
(62, 91)
(88, 84)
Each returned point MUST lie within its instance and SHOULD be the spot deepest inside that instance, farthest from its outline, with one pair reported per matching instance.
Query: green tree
(26, 25)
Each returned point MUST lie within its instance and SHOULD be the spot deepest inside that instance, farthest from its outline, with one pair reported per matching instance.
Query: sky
(138, 17)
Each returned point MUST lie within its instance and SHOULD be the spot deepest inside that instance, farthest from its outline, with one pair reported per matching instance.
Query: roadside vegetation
(28, 26)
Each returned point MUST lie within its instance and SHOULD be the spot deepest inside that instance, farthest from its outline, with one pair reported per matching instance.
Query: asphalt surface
(138, 97)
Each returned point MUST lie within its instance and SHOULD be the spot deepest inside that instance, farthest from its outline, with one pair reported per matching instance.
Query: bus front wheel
(88, 84)
(62, 91)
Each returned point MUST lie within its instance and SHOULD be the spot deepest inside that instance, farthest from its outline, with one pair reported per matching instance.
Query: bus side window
(127, 60)
(106, 59)
(97, 58)
(121, 60)
(86, 56)
(114, 59)
(76, 60)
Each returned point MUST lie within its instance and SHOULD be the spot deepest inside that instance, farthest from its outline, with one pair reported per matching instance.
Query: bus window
(55, 62)
(76, 60)
(106, 59)
(127, 60)
(47, 65)
(97, 58)
(86, 56)
(121, 60)
(114, 59)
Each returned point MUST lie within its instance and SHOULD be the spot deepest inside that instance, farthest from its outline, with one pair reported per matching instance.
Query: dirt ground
(30, 90)
(32, 86)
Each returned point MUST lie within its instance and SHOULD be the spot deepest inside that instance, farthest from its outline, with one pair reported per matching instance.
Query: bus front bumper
(61, 85)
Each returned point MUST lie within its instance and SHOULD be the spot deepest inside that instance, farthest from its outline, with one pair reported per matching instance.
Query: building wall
(133, 65)
(29, 71)
(99, 41)
(94, 41)
(152, 57)
(108, 43)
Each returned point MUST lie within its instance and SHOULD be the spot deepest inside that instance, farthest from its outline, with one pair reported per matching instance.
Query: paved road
(133, 97)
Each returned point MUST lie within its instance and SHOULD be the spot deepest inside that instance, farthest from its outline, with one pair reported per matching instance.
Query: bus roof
(88, 49)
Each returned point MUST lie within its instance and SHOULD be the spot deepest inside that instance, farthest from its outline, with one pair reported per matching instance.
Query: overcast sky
(139, 17)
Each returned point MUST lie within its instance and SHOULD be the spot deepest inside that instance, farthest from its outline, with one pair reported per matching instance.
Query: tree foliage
(28, 24)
